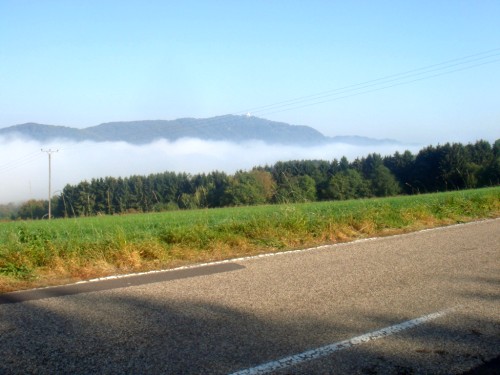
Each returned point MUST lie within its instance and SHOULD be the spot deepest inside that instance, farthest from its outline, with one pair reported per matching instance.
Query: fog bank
(24, 167)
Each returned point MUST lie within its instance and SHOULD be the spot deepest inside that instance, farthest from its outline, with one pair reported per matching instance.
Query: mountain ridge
(221, 128)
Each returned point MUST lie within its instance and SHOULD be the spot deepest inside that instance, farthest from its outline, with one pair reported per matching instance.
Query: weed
(17, 271)
(90, 247)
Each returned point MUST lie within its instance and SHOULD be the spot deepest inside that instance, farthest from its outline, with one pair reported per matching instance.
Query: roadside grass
(40, 253)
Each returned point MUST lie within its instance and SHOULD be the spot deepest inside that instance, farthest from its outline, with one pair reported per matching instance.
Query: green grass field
(37, 253)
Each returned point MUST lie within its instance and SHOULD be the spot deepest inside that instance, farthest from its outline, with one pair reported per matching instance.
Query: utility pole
(50, 152)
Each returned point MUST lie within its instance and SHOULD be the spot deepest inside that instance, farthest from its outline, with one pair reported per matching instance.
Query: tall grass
(44, 252)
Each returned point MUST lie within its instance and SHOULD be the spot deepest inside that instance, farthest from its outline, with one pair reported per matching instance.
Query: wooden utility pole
(50, 152)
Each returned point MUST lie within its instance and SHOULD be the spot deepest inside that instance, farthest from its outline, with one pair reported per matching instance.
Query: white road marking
(280, 253)
(287, 252)
(323, 351)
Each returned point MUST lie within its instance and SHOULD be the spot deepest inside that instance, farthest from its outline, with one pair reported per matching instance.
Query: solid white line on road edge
(323, 351)
(281, 253)
(285, 253)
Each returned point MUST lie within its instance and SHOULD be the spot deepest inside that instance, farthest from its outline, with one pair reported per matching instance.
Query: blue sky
(82, 63)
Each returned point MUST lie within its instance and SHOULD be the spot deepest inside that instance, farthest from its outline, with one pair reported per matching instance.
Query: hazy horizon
(469, 135)
(418, 72)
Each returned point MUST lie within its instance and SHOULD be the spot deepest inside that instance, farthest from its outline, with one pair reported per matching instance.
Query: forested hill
(222, 128)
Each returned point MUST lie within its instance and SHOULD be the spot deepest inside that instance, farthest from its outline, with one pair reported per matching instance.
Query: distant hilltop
(231, 128)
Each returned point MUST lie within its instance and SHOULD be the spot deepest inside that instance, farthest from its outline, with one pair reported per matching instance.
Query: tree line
(434, 168)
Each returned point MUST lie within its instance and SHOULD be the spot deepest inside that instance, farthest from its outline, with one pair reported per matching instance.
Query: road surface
(426, 302)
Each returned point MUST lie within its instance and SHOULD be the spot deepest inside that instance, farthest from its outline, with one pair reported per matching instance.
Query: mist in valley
(24, 167)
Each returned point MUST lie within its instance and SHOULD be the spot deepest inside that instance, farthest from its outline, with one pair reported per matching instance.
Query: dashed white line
(323, 351)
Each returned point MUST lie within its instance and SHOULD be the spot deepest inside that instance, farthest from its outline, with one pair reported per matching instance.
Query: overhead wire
(20, 162)
(446, 65)
(365, 87)
(348, 95)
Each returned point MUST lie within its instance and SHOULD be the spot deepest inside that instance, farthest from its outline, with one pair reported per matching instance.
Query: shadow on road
(127, 333)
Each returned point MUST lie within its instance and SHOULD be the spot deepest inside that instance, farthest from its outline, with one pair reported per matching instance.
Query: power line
(403, 78)
(23, 160)
(378, 84)
(443, 66)
(348, 95)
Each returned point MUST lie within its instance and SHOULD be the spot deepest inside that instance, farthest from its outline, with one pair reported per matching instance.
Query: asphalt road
(421, 303)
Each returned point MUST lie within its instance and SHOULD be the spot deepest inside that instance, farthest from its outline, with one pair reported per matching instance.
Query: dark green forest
(435, 168)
